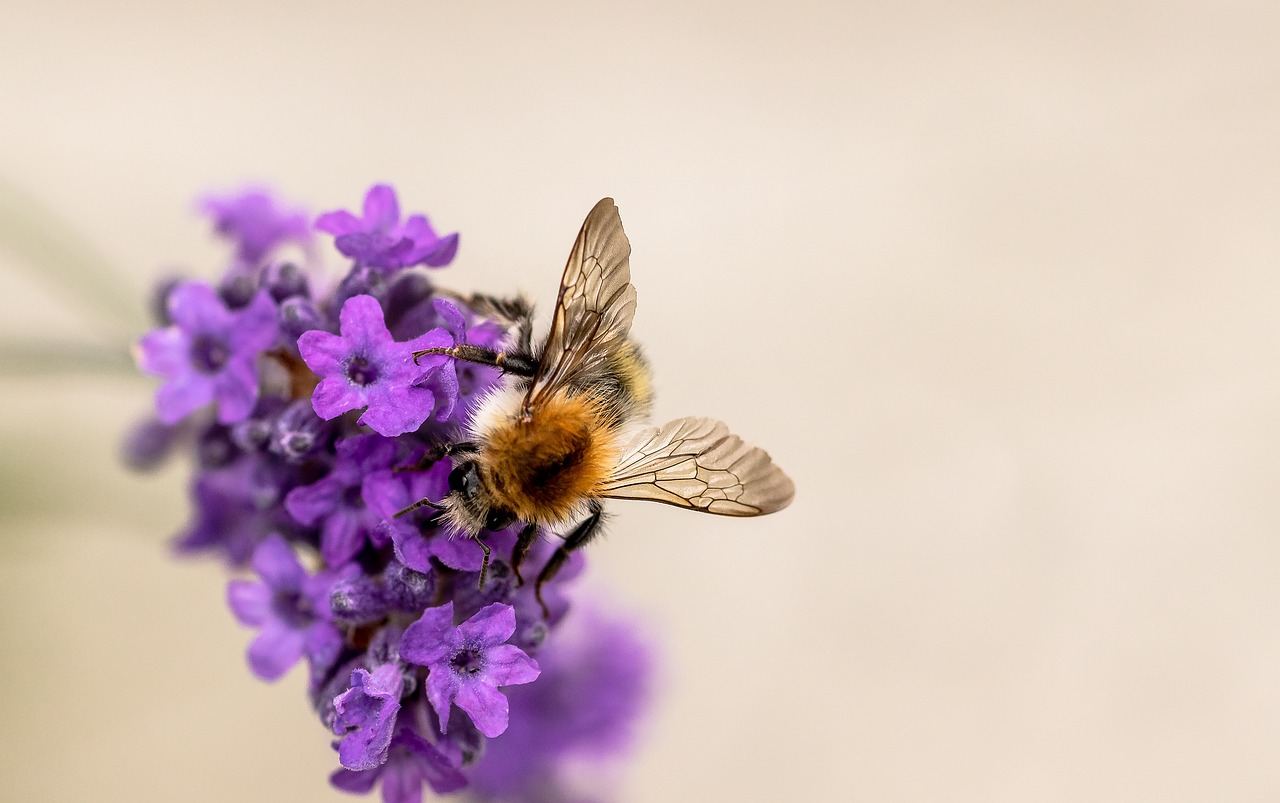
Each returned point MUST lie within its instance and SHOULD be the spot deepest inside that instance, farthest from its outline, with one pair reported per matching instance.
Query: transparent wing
(596, 304)
(699, 464)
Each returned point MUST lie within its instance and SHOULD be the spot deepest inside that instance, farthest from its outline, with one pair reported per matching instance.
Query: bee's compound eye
(464, 480)
(497, 519)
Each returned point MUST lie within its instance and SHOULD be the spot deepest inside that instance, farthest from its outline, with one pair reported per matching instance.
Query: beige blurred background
(995, 282)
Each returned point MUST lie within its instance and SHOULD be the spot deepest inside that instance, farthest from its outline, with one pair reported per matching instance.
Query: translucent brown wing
(596, 304)
(699, 464)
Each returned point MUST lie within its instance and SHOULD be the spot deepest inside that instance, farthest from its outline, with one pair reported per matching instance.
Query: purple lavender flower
(364, 367)
(366, 716)
(209, 354)
(237, 505)
(289, 606)
(336, 502)
(585, 705)
(256, 222)
(411, 762)
(468, 663)
(415, 539)
(379, 240)
(285, 478)
(456, 380)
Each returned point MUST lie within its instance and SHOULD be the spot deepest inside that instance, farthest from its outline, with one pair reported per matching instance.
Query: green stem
(57, 256)
(54, 359)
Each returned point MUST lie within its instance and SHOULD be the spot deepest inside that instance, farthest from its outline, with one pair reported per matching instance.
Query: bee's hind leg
(581, 534)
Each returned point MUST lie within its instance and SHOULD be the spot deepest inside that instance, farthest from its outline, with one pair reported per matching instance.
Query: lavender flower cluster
(312, 426)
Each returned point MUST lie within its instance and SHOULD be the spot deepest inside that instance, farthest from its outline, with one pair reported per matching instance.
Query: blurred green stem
(63, 260)
(52, 359)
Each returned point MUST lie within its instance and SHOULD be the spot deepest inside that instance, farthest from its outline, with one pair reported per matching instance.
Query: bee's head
(469, 505)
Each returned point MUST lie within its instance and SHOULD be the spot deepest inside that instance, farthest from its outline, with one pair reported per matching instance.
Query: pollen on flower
(310, 429)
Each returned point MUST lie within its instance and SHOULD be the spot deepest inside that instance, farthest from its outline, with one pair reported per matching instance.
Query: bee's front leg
(434, 454)
(509, 362)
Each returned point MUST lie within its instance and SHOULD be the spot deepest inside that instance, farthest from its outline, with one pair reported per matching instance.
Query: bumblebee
(566, 426)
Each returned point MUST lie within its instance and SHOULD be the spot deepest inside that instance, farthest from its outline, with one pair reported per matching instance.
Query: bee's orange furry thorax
(542, 469)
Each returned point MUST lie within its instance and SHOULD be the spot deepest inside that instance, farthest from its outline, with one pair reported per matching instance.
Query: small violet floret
(469, 662)
(291, 608)
(336, 502)
(364, 367)
(411, 761)
(209, 353)
(379, 240)
(256, 222)
(366, 716)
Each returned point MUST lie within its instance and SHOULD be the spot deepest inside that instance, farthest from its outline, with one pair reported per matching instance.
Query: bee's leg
(581, 534)
(484, 565)
(435, 454)
(509, 362)
(527, 536)
(415, 506)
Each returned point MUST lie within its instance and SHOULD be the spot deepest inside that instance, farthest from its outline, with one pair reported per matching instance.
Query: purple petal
(236, 389)
(381, 209)
(387, 493)
(430, 640)
(324, 353)
(365, 453)
(411, 548)
(164, 352)
(431, 763)
(375, 249)
(276, 649)
(342, 536)
(249, 602)
(453, 318)
(359, 783)
(256, 326)
(362, 323)
(337, 223)
(419, 229)
(443, 253)
(458, 551)
(508, 665)
(492, 624)
(310, 503)
(323, 644)
(195, 307)
(435, 338)
(396, 410)
(335, 396)
(179, 397)
(446, 385)
(442, 686)
(278, 566)
(487, 707)
(401, 784)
